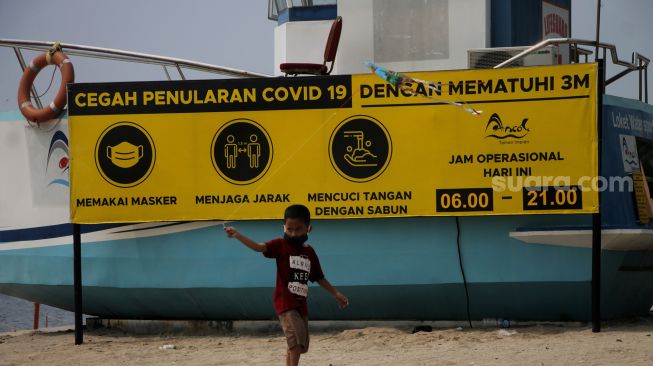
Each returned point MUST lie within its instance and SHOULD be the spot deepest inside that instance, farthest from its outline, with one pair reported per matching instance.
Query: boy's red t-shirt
(295, 267)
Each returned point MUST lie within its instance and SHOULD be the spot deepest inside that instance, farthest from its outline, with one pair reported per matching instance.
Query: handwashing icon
(360, 148)
(359, 156)
(125, 155)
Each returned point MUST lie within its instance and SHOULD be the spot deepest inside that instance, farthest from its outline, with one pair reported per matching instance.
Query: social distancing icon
(241, 151)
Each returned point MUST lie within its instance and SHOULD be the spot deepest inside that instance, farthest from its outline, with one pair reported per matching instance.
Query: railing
(639, 62)
(120, 55)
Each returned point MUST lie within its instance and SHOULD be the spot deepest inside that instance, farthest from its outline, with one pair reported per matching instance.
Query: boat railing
(638, 63)
(177, 64)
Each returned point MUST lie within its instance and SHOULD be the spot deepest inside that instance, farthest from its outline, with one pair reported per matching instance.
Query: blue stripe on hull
(48, 232)
(393, 268)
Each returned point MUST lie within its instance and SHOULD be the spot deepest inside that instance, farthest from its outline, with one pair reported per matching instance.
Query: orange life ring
(24, 88)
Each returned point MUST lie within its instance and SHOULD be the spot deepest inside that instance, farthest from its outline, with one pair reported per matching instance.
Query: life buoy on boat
(52, 110)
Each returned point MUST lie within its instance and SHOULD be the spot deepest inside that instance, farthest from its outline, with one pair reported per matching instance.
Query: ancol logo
(496, 129)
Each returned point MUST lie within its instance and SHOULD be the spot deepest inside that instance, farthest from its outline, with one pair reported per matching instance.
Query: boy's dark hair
(298, 212)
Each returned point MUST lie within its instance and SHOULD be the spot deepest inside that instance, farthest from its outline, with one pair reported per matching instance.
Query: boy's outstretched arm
(342, 300)
(251, 244)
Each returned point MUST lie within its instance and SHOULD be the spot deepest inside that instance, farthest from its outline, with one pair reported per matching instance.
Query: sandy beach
(619, 343)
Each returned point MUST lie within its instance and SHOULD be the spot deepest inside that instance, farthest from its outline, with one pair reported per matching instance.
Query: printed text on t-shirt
(299, 262)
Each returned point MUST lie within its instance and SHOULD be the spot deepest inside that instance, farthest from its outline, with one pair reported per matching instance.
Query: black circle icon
(360, 148)
(125, 154)
(241, 151)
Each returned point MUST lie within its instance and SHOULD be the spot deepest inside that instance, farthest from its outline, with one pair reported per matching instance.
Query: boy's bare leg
(292, 357)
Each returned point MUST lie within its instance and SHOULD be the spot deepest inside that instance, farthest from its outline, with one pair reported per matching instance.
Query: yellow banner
(346, 146)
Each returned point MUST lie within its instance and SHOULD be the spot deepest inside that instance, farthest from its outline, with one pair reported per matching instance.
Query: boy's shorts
(295, 327)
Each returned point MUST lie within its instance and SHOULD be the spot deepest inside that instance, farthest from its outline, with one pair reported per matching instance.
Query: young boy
(297, 263)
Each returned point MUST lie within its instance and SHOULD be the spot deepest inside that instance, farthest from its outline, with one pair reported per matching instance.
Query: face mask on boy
(295, 240)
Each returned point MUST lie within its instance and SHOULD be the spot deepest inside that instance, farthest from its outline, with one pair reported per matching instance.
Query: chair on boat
(329, 55)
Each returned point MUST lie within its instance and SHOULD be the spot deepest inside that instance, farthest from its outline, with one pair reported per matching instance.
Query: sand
(619, 343)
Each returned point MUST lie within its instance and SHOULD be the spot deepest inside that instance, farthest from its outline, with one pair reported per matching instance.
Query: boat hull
(393, 268)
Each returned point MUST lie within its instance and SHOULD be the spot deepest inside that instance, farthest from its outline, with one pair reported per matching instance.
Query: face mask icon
(125, 155)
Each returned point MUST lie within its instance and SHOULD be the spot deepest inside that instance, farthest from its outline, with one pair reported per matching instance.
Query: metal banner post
(77, 283)
(596, 218)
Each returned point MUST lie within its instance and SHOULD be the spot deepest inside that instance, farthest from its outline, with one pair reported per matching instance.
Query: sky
(625, 23)
(235, 34)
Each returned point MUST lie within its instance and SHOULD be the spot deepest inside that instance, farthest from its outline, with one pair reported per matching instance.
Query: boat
(518, 267)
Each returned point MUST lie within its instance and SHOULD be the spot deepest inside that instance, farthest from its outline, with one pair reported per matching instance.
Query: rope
(56, 47)
(51, 80)
(37, 125)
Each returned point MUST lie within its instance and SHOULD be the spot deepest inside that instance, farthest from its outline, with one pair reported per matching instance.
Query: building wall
(518, 22)
(411, 35)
